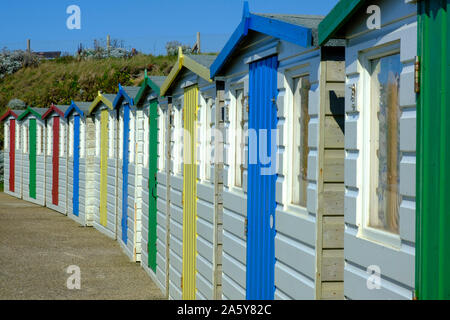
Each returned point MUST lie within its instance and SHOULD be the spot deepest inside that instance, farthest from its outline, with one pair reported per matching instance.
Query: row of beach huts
(285, 167)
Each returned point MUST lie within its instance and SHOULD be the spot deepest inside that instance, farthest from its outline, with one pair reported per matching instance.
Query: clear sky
(146, 25)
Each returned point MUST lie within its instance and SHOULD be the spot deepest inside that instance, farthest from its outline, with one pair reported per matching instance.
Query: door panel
(126, 160)
(32, 155)
(104, 119)
(261, 181)
(55, 161)
(152, 187)
(12, 154)
(76, 165)
(189, 192)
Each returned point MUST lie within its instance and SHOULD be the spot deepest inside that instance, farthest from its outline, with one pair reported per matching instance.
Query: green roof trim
(27, 111)
(337, 18)
(148, 83)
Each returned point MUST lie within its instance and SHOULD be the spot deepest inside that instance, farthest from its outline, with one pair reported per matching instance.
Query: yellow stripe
(104, 167)
(190, 193)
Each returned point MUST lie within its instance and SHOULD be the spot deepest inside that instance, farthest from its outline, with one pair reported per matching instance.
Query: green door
(433, 152)
(152, 183)
(32, 148)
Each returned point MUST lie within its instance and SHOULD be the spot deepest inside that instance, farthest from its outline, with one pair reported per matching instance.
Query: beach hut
(380, 144)
(154, 179)
(192, 216)
(12, 153)
(81, 174)
(130, 161)
(105, 164)
(283, 159)
(56, 158)
(33, 154)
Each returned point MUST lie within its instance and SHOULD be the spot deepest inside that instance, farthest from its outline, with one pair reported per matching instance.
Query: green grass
(61, 80)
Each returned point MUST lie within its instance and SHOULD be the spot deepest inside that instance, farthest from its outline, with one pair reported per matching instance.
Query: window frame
(6, 135)
(161, 139)
(234, 135)
(366, 232)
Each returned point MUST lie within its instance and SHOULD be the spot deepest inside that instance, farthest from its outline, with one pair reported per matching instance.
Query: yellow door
(189, 192)
(104, 118)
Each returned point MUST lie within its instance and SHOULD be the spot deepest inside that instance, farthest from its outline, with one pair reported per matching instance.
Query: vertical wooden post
(218, 190)
(28, 45)
(198, 42)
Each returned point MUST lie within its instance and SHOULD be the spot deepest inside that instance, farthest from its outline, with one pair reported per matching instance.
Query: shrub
(172, 48)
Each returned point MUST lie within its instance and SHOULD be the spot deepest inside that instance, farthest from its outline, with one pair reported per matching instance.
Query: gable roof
(81, 107)
(150, 83)
(10, 112)
(198, 64)
(106, 98)
(292, 28)
(37, 112)
(127, 93)
(337, 18)
(59, 109)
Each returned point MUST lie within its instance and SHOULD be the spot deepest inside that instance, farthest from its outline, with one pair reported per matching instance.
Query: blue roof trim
(272, 27)
(73, 107)
(122, 94)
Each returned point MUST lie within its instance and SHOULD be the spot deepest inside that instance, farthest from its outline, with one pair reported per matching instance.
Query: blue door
(261, 179)
(125, 157)
(76, 165)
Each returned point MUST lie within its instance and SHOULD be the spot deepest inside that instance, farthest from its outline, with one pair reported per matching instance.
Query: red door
(55, 160)
(12, 154)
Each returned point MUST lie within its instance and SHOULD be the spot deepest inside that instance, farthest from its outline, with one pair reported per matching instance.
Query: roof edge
(97, 100)
(337, 18)
(8, 113)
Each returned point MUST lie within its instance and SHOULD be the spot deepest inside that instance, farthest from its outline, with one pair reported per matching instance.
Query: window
(25, 139)
(6, 135)
(71, 137)
(178, 140)
(121, 133)
(161, 139)
(82, 138)
(18, 136)
(97, 135)
(239, 140)
(204, 126)
(299, 134)
(146, 137)
(62, 139)
(131, 139)
(384, 200)
(209, 140)
(49, 138)
(111, 135)
(40, 139)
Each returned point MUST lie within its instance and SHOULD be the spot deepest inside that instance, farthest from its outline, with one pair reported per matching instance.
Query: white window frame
(49, 137)
(6, 135)
(146, 135)
(82, 138)
(18, 128)
(161, 139)
(383, 237)
(62, 136)
(209, 140)
(235, 135)
(132, 137)
(111, 135)
(25, 138)
(39, 136)
(97, 134)
(178, 140)
(121, 133)
(71, 136)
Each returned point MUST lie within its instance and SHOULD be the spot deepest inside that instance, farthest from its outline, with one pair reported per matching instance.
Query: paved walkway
(38, 244)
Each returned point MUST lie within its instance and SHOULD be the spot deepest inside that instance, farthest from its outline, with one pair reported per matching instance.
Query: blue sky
(146, 25)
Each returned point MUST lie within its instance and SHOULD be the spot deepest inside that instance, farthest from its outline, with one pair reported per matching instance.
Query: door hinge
(181, 282)
(182, 198)
(246, 227)
(417, 75)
